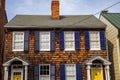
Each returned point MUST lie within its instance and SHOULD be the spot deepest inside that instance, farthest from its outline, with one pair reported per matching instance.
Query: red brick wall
(58, 57)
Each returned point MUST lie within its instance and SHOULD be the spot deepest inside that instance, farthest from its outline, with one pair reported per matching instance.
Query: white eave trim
(8, 63)
(104, 61)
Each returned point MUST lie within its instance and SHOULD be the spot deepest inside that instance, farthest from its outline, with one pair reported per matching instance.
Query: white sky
(67, 7)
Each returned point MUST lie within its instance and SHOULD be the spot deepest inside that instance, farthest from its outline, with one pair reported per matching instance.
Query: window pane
(44, 72)
(18, 40)
(18, 45)
(44, 78)
(44, 69)
(45, 45)
(44, 40)
(69, 36)
(70, 72)
(94, 40)
(69, 45)
(95, 45)
(70, 78)
(69, 40)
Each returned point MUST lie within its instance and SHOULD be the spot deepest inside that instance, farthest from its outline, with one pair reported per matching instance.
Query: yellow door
(17, 76)
(96, 74)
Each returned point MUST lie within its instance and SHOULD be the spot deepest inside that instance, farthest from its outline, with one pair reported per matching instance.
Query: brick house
(3, 21)
(41, 47)
(112, 20)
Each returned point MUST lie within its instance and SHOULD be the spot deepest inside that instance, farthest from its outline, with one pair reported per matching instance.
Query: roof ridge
(110, 13)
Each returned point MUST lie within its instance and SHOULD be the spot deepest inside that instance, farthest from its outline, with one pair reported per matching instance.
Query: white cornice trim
(8, 63)
(104, 61)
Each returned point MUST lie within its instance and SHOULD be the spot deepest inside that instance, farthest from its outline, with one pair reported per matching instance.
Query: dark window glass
(44, 69)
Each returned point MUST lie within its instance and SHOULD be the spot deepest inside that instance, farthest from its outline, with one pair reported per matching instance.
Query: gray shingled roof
(45, 21)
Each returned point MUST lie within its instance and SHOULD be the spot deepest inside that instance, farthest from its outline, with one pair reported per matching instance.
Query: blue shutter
(62, 72)
(36, 45)
(36, 72)
(87, 41)
(102, 40)
(52, 41)
(26, 41)
(52, 71)
(61, 38)
(77, 40)
(78, 72)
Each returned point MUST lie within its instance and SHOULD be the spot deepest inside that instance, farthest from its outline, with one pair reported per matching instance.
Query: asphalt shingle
(45, 21)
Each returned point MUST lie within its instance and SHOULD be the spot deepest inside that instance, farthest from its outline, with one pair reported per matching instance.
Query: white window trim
(49, 39)
(70, 49)
(74, 67)
(99, 41)
(13, 41)
(43, 65)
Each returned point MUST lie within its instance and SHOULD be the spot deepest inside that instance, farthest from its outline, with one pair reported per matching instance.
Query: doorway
(17, 72)
(17, 76)
(96, 72)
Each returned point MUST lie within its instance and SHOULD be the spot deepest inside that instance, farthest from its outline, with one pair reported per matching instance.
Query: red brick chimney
(55, 9)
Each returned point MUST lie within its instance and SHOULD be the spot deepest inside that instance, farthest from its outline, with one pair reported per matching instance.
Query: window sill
(94, 49)
(17, 50)
(69, 50)
(44, 50)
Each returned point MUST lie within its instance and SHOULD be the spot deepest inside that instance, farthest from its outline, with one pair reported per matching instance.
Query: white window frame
(39, 70)
(47, 49)
(66, 70)
(14, 41)
(69, 49)
(98, 33)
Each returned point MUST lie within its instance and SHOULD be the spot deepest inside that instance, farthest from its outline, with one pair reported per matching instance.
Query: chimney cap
(104, 11)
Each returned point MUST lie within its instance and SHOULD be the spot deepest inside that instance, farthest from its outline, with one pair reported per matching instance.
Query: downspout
(107, 45)
(119, 45)
(119, 37)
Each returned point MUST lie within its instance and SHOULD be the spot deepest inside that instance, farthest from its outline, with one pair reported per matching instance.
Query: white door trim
(16, 70)
(12, 73)
(101, 68)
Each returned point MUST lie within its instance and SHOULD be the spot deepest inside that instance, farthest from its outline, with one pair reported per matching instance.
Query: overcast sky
(67, 7)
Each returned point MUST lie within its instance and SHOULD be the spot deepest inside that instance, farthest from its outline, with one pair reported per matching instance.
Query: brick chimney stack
(55, 9)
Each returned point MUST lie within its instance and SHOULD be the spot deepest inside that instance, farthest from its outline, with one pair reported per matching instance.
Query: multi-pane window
(18, 41)
(45, 41)
(94, 40)
(70, 71)
(44, 72)
(69, 40)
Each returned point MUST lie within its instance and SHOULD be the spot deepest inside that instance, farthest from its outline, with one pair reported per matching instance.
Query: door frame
(101, 68)
(16, 70)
